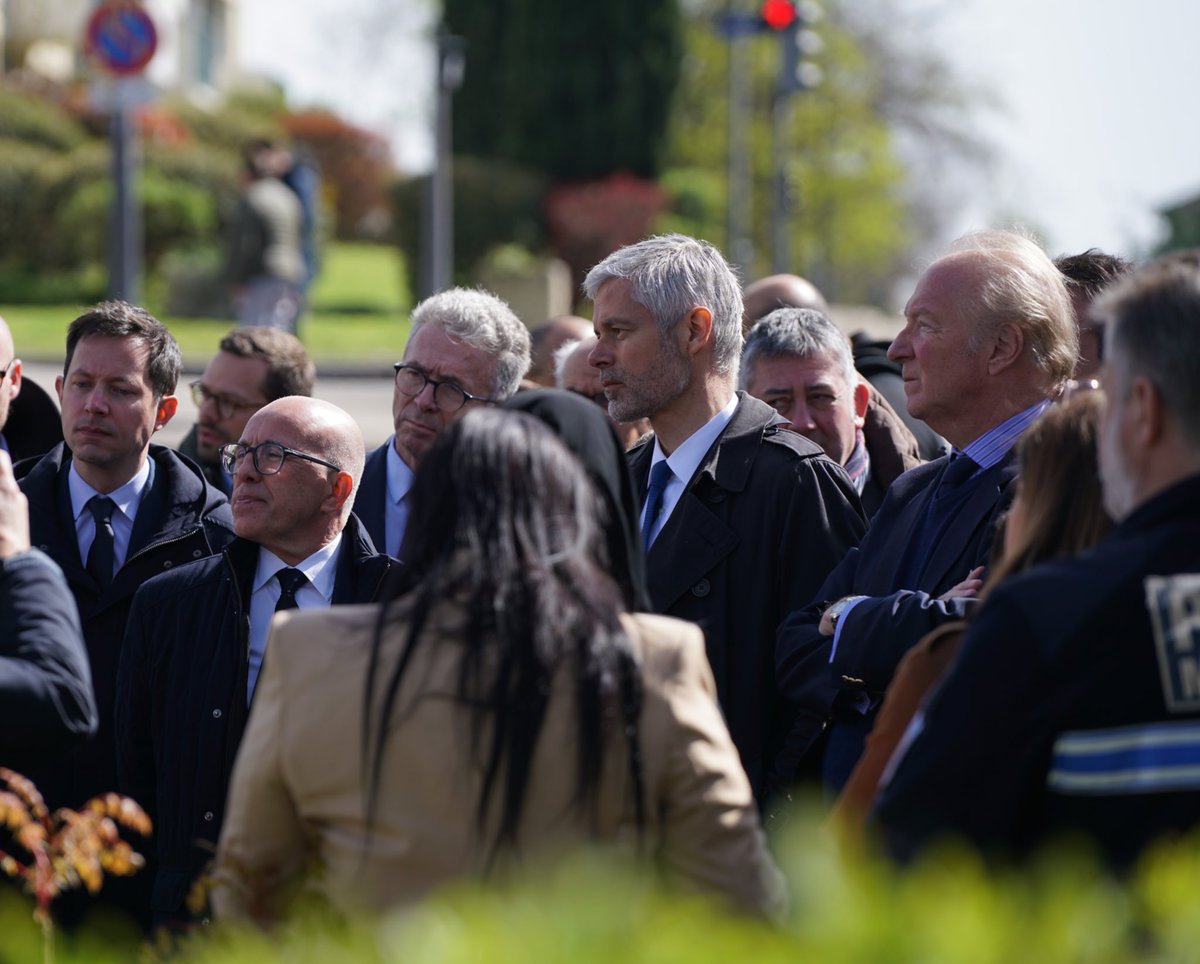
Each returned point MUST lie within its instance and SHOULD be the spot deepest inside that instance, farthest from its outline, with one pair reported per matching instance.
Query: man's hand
(14, 512)
(967, 589)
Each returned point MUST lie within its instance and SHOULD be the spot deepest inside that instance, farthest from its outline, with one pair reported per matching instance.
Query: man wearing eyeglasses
(252, 367)
(466, 349)
(197, 635)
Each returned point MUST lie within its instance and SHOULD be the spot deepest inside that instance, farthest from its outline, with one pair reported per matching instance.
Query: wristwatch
(835, 610)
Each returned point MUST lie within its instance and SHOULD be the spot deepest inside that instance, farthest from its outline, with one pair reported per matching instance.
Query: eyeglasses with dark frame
(446, 395)
(226, 407)
(4, 371)
(268, 457)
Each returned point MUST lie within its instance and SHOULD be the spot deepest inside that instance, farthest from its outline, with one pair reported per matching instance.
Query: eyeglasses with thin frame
(268, 457)
(446, 395)
(226, 407)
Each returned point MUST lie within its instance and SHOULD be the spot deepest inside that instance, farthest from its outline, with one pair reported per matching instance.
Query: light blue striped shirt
(991, 447)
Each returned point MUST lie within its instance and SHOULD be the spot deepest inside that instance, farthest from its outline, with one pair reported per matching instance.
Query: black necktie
(660, 475)
(961, 468)
(290, 581)
(100, 556)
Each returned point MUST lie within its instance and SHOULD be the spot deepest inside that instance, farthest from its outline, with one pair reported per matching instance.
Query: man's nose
(899, 349)
(599, 356)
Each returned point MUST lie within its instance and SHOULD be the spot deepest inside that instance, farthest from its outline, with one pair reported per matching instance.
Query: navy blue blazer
(370, 502)
(1073, 705)
(878, 631)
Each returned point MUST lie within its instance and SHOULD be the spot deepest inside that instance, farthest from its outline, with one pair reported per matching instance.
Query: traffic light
(792, 20)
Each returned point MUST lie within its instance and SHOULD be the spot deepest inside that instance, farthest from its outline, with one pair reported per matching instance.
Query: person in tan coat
(499, 713)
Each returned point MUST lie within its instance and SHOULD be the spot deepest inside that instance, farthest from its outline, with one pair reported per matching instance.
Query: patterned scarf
(858, 466)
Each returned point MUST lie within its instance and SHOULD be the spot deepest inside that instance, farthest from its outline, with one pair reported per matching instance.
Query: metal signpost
(121, 39)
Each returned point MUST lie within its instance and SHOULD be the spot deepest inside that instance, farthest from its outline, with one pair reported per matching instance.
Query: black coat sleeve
(46, 698)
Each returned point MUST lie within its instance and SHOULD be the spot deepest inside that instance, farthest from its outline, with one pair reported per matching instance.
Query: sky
(1092, 134)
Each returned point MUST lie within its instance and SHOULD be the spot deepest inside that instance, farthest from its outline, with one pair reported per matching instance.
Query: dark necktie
(961, 468)
(100, 556)
(290, 581)
(660, 475)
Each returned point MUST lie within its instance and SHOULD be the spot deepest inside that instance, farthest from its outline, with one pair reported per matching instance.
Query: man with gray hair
(1074, 706)
(466, 349)
(742, 519)
(989, 339)
(799, 362)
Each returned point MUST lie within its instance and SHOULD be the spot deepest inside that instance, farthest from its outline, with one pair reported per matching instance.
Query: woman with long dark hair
(503, 708)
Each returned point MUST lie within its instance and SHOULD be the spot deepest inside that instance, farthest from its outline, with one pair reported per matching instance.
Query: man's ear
(699, 327)
(1145, 413)
(1008, 341)
(166, 411)
(58, 387)
(342, 487)
(862, 396)
(14, 378)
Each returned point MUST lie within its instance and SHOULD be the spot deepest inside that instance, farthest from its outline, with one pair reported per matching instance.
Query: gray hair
(561, 354)
(1019, 283)
(479, 319)
(670, 274)
(1152, 329)
(802, 332)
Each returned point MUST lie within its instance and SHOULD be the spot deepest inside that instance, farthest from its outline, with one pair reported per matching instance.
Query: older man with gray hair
(799, 362)
(742, 519)
(467, 348)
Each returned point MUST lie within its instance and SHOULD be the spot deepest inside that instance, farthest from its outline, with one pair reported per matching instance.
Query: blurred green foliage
(594, 908)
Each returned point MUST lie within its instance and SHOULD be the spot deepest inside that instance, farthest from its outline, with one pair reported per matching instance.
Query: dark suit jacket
(182, 518)
(756, 531)
(878, 631)
(181, 703)
(1067, 710)
(370, 502)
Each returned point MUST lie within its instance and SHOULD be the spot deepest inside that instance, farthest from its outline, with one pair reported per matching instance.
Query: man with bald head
(197, 635)
(989, 339)
(10, 377)
(779, 291)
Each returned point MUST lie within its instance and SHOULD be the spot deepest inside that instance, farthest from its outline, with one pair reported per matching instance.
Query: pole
(439, 206)
(740, 247)
(781, 208)
(125, 228)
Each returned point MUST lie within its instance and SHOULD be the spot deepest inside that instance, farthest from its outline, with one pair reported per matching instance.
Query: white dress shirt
(685, 460)
(320, 569)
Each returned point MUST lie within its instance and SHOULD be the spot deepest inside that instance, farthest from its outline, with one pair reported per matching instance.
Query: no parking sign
(121, 37)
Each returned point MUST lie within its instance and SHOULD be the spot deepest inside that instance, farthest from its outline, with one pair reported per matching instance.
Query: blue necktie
(290, 581)
(660, 475)
(101, 555)
(961, 468)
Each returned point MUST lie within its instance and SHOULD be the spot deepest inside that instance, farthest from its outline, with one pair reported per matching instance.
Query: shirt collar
(399, 475)
(687, 458)
(127, 497)
(991, 447)
(317, 568)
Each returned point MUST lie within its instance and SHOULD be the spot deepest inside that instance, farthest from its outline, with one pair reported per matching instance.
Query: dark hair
(119, 319)
(1059, 486)
(289, 369)
(1092, 271)
(505, 523)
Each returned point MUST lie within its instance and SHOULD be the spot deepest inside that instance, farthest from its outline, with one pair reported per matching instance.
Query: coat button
(197, 553)
(208, 816)
(217, 714)
(701, 589)
(168, 564)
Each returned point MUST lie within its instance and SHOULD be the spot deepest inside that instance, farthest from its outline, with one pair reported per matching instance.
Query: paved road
(367, 398)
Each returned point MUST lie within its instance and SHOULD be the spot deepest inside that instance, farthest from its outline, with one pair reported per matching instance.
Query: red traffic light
(778, 14)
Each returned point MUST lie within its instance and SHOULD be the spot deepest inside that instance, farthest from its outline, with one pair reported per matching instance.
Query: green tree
(859, 146)
(570, 91)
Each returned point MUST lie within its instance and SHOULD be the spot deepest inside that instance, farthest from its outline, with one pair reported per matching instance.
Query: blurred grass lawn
(358, 314)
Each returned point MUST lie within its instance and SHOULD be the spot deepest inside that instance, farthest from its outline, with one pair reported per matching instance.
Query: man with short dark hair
(253, 366)
(1074, 705)
(799, 362)
(989, 339)
(1087, 275)
(197, 635)
(111, 508)
(742, 518)
(466, 348)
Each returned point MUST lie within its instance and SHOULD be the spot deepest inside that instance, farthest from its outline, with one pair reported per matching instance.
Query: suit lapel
(947, 562)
